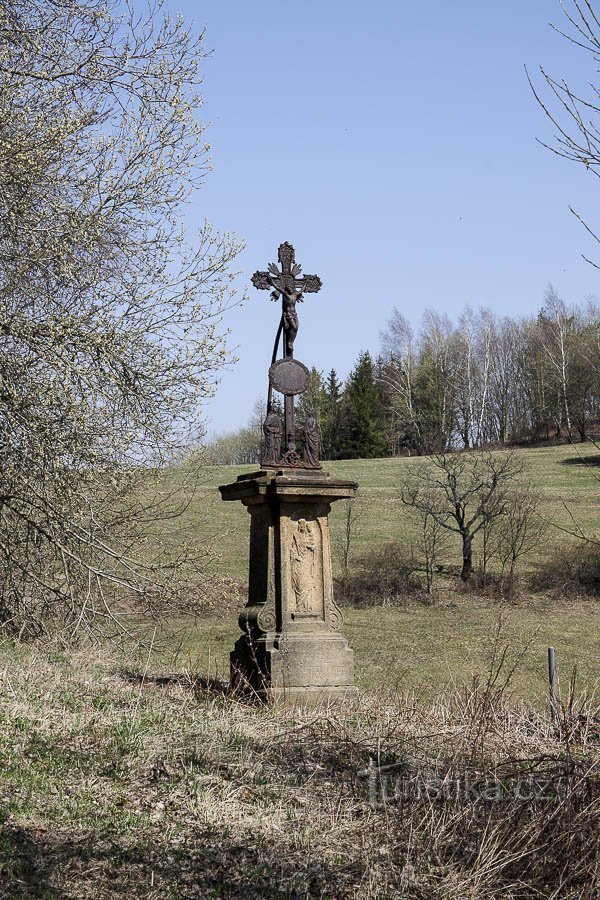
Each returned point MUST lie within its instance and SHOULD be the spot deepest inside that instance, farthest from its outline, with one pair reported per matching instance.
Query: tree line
(481, 381)
(490, 379)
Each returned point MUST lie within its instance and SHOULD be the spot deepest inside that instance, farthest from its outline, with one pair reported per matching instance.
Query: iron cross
(288, 285)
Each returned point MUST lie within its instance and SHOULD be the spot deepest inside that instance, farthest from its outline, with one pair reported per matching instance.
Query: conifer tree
(333, 417)
(363, 429)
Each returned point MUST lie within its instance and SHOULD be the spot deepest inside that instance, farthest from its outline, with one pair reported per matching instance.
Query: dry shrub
(383, 576)
(471, 796)
(501, 588)
(573, 567)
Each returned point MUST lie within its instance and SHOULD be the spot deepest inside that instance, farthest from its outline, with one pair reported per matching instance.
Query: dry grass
(140, 782)
(124, 775)
(426, 648)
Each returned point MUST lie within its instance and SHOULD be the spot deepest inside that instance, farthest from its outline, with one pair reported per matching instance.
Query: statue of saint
(303, 566)
(272, 433)
(311, 440)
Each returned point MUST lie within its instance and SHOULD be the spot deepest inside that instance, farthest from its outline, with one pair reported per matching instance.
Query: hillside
(418, 646)
(567, 478)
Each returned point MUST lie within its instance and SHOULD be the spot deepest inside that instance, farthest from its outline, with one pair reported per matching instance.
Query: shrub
(574, 567)
(383, 576)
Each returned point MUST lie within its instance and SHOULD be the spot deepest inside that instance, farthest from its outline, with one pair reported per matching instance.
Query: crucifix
(291, 647)
(287, 284)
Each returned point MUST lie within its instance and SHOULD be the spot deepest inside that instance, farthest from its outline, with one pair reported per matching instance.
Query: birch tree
(398, 377)
(555, 326)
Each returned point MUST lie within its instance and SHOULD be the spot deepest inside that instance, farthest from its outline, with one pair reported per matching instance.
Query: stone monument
(292, 646)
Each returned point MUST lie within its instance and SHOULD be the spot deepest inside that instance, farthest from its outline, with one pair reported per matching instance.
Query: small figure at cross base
(272, 433)
(311, 440)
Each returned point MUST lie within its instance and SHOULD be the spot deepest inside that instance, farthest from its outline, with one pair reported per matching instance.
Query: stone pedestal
(292, 646)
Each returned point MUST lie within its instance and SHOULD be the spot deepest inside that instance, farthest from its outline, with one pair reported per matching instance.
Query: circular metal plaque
(289, 376)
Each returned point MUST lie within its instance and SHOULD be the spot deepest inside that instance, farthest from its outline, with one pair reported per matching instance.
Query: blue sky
(394, 144)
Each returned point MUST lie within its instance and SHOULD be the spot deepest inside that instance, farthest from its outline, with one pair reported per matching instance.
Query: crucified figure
(289, 316)
(291, 287)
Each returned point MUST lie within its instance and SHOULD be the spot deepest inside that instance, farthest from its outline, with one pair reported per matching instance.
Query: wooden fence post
(554, 706)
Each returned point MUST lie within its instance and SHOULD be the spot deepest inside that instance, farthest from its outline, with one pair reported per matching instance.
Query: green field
(567, 478)
(420, 647)
(428, 649)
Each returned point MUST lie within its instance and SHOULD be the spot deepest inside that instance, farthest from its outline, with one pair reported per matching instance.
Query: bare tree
(433, 519)
(346, 536)
(573, 113)
(109, 319)
(467, 378)
(556, 327)
(436, 379)
(508, 396)
(398, 377)
(473, 338)
(462, 492)
(520, 529)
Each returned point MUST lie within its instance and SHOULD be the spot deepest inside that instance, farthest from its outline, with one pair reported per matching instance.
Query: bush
(494, 586)
(383, 576)
(574, 567)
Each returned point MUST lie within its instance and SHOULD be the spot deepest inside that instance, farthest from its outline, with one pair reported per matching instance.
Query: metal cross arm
(287, 284)
(286, 280)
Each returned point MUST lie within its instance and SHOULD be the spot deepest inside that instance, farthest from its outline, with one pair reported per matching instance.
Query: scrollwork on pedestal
(266, 619)
(335, 618)
(260, 617)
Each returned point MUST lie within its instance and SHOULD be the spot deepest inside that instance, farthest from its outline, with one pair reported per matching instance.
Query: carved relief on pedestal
(305, 556)
(305, 546)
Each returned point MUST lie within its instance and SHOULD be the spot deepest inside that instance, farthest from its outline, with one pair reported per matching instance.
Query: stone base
(301, 668)
(291, 646)
(311, 696)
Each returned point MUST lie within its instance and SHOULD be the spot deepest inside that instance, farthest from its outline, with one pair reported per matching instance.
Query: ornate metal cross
(290, 287)
(287, 284)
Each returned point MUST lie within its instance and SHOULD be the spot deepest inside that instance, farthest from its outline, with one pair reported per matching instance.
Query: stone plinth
(292, 646)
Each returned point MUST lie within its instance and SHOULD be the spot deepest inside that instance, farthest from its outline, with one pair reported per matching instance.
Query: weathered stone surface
(292, 646)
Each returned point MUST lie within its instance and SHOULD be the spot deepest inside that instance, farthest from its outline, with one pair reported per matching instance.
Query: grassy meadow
(417, 646)
(427, 649)
(567, 478)
(126, 771)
